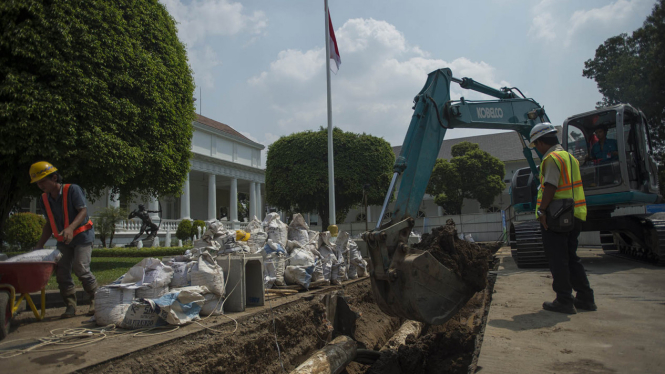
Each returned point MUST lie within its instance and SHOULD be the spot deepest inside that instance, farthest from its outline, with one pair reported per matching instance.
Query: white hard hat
(541, 130)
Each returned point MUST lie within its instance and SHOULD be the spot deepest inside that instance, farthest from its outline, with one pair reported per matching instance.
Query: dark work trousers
(567, 271)
(75, 259)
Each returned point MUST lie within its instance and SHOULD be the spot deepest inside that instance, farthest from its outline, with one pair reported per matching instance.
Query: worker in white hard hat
(560, 178)
(67, 220)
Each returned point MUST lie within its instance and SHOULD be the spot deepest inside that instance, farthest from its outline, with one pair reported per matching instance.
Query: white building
(224, 163)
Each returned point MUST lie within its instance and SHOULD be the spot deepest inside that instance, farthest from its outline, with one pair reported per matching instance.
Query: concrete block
(245, 285)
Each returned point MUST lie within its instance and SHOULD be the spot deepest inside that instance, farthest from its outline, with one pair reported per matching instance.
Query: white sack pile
(274, 261)
(276, 229)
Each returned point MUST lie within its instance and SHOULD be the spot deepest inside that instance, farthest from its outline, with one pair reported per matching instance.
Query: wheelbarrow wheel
(5, 314)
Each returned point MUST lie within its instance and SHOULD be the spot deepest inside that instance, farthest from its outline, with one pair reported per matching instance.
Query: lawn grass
(105, 269)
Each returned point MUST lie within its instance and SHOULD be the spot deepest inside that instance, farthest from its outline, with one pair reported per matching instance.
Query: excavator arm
(406, 282)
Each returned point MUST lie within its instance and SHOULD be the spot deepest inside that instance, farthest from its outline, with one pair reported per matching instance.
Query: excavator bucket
(411, 283)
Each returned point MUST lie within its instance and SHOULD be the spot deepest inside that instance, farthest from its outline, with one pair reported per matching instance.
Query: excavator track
(526, 242)
(655, 253)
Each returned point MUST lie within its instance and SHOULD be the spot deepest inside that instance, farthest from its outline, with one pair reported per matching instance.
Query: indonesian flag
(333, 52)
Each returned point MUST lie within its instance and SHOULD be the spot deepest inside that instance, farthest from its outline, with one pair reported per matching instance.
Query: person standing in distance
(67, 220)
(560, 179)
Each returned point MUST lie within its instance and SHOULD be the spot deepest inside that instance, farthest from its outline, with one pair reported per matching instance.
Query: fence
(481, 226)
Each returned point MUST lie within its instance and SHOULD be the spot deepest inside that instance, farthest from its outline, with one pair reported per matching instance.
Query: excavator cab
(614, 150)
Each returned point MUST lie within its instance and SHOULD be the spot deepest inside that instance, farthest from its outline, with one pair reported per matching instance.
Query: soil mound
(468, 260)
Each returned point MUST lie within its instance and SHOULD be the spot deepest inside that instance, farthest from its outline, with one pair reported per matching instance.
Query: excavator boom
(406, 282)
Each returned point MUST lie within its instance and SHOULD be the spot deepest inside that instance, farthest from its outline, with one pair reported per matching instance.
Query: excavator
(412, 284)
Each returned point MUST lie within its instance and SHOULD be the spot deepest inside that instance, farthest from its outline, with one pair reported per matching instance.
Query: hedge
(130, 252)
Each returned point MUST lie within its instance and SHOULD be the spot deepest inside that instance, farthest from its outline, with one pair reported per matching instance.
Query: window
(421, 214)
(493, 209)
(577, 143)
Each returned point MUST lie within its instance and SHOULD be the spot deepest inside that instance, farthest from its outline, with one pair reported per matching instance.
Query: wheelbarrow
(24, 278)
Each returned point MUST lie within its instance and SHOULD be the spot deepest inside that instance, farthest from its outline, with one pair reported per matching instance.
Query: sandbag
(180, 307)
(312, 234)
(142, 314)
(39, 255)
(317, 273)
(257, 241)
(145, 292)
(301, 275)
(213, 305)
(298, 229)
(181, 274)
(276, 229)
(149, 272)
(301, 257)
(111, 304)
(206, 272)
(274, 266)
(254, 226)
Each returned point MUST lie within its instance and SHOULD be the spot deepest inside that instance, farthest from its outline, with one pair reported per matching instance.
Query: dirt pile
(449, 348)
(468, 260)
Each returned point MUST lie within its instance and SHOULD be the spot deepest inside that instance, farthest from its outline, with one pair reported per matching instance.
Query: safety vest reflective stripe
(564, 170)
(570, 182)
(54, 229)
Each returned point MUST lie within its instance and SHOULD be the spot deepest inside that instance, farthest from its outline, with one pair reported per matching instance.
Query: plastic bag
(111, 304)
(145, 292)
(213, 305)
(181, 274)
(206, 272)
(254, 226)
(301, 275)
(301, 257)
(257, 241)
(180, 307)
(142, 314)
(149, 272)
(274, 266)
(298, 229)
(38, 255)
(276, 229)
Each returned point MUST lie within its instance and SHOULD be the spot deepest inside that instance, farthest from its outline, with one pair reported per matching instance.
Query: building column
(252, 200)
(113, 199)
(212, 197)
(259, 202)
(184, 200)
(369, 214)
(153, 204)
(33, 205)
(233, 198)
(439, 211)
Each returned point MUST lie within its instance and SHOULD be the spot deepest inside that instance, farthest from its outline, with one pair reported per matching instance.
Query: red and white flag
(333, 52)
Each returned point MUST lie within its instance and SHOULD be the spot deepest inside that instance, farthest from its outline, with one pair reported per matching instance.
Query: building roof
(224, 128)
(504, 146)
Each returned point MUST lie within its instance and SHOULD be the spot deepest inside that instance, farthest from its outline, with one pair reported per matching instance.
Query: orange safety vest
(47, 206)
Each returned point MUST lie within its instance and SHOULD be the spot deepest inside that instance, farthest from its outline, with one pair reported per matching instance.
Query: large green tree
(471, 174)
(101, 89)
(297, 172)
(631, 69)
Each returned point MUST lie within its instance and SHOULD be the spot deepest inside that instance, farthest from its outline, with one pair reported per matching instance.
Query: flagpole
(331, 164)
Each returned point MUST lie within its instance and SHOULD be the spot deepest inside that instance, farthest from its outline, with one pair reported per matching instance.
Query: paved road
(625, 335)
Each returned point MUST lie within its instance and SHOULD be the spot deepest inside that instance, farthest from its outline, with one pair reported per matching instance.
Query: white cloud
(607, 16)
(203, 61)
(200, 19)
(543, 24)
(373, 91)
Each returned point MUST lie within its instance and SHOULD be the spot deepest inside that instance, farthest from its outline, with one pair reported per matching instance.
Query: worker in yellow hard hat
(67, 220)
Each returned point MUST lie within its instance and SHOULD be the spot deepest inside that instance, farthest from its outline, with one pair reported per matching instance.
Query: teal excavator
(411, 283)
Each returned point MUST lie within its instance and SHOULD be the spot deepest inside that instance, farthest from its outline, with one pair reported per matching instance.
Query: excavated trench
(303, 326)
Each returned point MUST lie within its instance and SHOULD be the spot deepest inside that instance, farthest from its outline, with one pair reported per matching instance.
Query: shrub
(106, 221)
(23, 230)
(184, 230)
(198, 223)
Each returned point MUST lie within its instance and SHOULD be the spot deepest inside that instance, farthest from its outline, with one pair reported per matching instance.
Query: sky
(259, 66)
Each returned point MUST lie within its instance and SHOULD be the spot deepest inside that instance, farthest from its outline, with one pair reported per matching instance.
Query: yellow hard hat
(242, 236)
(40, 169)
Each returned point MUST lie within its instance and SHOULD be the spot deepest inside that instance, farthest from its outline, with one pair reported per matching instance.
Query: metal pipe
(387, 200)
(399, 338)
(331, 359)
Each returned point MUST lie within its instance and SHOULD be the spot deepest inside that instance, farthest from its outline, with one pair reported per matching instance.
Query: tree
(106, 222)
(297, 172)
(101, 89)
(631, 69)
(471, 174)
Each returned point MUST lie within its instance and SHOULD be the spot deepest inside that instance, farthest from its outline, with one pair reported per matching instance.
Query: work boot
(585, 305)
(556, 306)
(70, 303)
